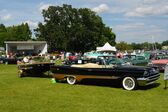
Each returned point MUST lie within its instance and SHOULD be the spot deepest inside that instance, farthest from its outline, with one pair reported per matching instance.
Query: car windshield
(130, 56)
(140, 57)
(115, 61)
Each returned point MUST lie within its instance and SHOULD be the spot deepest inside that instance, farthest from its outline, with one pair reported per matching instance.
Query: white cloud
(138, 27)
(139, 32)
(150, 1)
(129, 27)
(101, 8)
(117, 10)
(163, 10)
(5, 15)
(43, 6)
(142, 11)
(147, 11)
(32, 24)
(148, 8)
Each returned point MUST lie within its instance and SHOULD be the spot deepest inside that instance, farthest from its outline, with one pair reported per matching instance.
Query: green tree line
(14, 33)
(146, 46)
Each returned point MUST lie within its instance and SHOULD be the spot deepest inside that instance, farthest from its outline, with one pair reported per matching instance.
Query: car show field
(38, 94)
(78, 56)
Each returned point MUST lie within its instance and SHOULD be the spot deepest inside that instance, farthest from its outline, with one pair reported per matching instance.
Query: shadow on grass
(114, 84)
(42, 75)
(155, 85)
(102, 82)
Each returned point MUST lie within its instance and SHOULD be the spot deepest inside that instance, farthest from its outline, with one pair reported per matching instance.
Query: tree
(122, 46)
(158, 45)
(136, 46)
(19, 33)
(70, 29)
(165, 43)
(14, 33)
(2, 28)
(3, 34)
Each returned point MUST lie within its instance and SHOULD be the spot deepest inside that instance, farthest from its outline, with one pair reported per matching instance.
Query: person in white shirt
(25, 59)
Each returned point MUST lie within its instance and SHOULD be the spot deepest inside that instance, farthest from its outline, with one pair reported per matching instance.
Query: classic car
(160, 61)
(111, 58)
(95, 55)
(79, 61)
(130, 76)
(72, 57)
(92, 55)
(33, 69)
(136, 60)
(140, 61)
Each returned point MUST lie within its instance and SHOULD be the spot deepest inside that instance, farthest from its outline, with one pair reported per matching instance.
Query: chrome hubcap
(129, 83)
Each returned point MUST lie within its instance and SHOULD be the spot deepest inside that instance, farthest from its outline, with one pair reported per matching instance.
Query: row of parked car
(10, 60)
(159, 60)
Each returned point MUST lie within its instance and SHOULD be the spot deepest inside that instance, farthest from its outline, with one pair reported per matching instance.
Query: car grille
(153, 77)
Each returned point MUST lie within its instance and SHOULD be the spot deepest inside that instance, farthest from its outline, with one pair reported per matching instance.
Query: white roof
(106, 47)
(25, 42)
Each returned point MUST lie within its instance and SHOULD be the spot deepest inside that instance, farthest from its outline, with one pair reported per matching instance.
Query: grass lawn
(32, 94)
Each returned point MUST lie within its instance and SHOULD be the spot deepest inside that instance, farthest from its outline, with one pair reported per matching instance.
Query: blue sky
(131, 20)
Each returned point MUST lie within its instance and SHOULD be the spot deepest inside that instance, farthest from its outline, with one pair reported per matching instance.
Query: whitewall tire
(129, 83)
(71, 80)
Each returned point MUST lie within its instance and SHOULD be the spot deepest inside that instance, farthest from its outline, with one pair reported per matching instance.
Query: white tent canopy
(106, 47)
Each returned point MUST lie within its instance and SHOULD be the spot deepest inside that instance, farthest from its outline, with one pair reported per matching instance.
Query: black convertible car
(130, 76)
(33, 69)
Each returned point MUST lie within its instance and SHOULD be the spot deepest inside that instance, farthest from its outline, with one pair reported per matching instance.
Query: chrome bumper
(147, 81)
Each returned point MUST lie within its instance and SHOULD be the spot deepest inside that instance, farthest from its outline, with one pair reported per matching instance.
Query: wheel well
(69, 76)
(128, 75)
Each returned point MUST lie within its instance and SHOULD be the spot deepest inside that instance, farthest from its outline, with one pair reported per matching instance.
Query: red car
(160, 62)
(72, 57)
